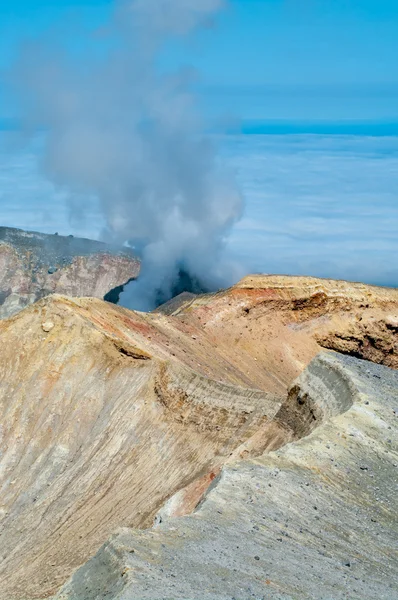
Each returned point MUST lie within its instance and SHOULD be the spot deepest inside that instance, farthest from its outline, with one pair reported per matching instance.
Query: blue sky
(325, 60)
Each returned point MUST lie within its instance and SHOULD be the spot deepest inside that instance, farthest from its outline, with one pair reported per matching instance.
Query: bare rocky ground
(317, 519)
(34, 265)
(112, 418)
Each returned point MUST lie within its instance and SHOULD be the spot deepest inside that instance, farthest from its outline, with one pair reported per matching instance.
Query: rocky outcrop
(108, 415)
(315, 520)
(34, 265)
(283, 315)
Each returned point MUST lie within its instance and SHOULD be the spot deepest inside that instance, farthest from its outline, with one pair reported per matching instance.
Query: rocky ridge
(314, 520)
(351, 318)
(34, 265)
(108, 415)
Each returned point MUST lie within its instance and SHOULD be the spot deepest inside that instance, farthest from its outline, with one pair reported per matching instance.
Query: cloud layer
(316, 205)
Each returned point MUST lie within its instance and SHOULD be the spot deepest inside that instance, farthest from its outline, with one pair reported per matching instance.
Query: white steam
(120, 130)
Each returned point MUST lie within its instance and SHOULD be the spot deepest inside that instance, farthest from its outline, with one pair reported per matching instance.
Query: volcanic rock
(34, 265)
(305, 522)
(113, 418)
(100, 425)
(350, 318)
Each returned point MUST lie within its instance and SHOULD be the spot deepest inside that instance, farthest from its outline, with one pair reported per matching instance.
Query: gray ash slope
(314, 520)
(34, 265)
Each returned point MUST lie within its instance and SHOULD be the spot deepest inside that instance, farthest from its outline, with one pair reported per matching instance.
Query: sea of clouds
(323, 205)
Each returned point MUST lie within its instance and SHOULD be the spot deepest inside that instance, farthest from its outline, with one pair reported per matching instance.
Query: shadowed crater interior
(184, 282)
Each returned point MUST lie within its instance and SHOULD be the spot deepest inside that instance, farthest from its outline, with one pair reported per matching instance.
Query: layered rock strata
(34, 265)
(97, 431)
(107, 414)
(351, 318)
(314, 520)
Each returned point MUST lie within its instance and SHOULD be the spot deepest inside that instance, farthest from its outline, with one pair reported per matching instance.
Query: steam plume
(119, 129)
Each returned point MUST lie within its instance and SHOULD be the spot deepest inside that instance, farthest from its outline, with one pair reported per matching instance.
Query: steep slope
(272, 312)
(97, 430)
(106, 413)
(34, 265)
(315, 520)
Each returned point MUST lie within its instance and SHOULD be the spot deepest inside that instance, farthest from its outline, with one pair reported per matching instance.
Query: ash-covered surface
(55, 250)
(314, 520)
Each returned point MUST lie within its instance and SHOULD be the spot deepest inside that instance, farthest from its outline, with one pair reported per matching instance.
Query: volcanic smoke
(120, 128)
